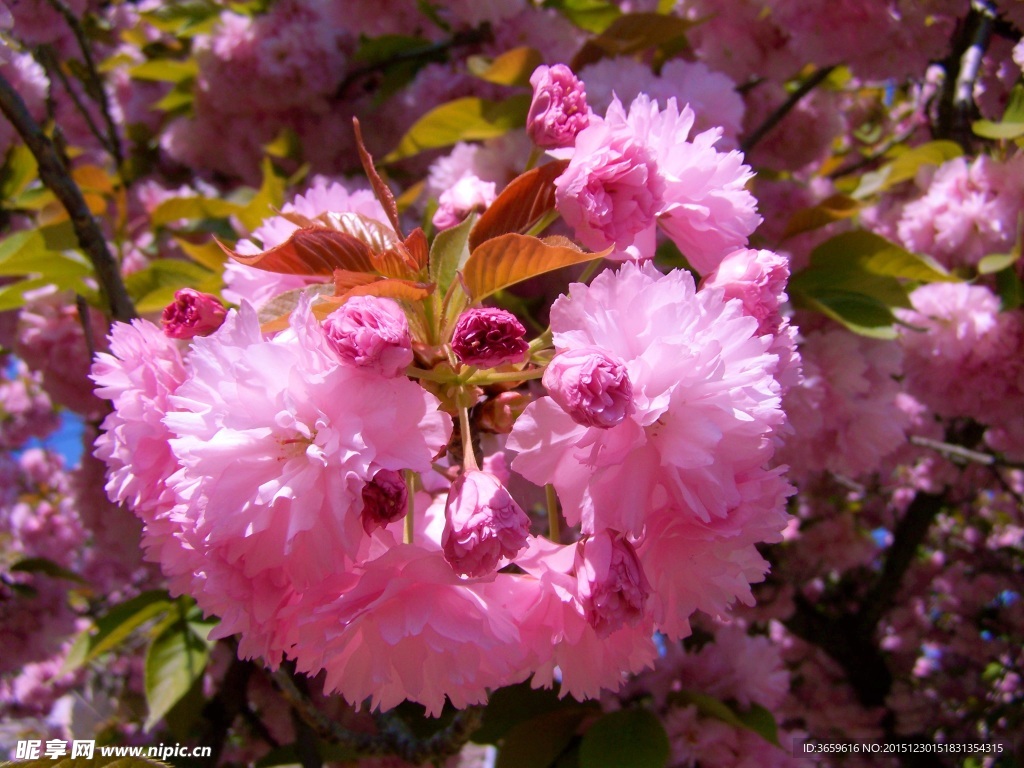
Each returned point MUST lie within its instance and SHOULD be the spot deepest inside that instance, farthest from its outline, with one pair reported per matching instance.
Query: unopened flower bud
(559, 108)
(758, 279)
(192, 314)
(591, 385)
(482, 524)
(470, 193)
(610, 582)
(385, 500)
(487, 337)
(498, 414)
(371, 332)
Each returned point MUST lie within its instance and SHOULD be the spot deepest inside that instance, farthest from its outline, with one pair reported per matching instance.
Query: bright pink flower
(276, 442)
(371, 332)
(758, 279)
(192, 314)
(468, 194)
(483, 524)
(611, 585)
(487, 337)
(405, 626)
(591, 385)
(385, 500)
(705, 402)
(559, 109)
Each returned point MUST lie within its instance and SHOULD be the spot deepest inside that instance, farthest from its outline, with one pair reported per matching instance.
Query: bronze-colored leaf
(523, 202)
(380, 189)
(314, 250)
(632, 33)
(509, 259)
(344, 280)
(404, 260)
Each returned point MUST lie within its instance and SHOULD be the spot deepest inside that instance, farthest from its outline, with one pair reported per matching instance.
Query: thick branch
(55, 176)
(956, 103)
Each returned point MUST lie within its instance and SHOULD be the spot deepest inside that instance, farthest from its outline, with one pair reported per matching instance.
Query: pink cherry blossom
(192, 314)
(371, 332)
(611, 585)
(591, 385)
(468, 194)
(483, 524)
(559, 108)
(488, 337)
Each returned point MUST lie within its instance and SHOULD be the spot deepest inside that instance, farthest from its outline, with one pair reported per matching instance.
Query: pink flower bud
(559, 108)
(758, 279)
(470, 193)
(591, 385)
(384, 500)
(488, 337)
(482, 524)
(610, 582)
(371, 332)
(192, 314)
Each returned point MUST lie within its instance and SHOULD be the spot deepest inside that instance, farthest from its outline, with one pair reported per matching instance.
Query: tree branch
(956, 103)
(54, 174)
(808, 85)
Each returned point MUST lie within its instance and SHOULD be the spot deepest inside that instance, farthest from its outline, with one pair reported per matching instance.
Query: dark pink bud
(610, 582)
(487, 337)
(591, 385)
(192, 314)
(559, 108)
(385, 500)
(371, 332)
(482, 524)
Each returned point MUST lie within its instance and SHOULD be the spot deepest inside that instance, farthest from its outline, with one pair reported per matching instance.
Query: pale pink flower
(276, 442)
(488, 337)
(559, 108)
(192, 314)
(371, 332)
(758, 279)
(704, 402)
(610, 582)
(591, 385)
(404, 626)
(468, 194)
(483, 524)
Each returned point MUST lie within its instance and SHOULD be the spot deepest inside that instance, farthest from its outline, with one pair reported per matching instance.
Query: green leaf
(112, 629)
(996, 262)
(194, 208)
(593, 16)
(537, 742)
(175, 659)
(1009, 288)
(874, 254)
(756, 718)
(153, 287)
(859, 312)
(513, 67)
(449, 253)
(509, 259)
(165, 70)
(634, 33)
(905, 166)
(514, 704)
(268, 198)
(47, 568)
(466, 119)
(633, 737)
(1012, 124)
(18, 171)
(836, 208)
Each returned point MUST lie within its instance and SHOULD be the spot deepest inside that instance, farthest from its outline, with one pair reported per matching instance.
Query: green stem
(468, 455)
(543, 223)
(554, 528)
(410, 521)
(484, 378)
(422, 373)
(535, 155)
(589, 271)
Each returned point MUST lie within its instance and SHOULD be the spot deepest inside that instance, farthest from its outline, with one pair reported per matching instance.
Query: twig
(808, 85)
(94, 84)
(54, 174)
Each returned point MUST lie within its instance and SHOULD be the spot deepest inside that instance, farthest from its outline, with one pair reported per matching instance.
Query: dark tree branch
(956, 107)
(808, 85)
(393, 737)
(54, 174)
(48, 59)
(94, 84)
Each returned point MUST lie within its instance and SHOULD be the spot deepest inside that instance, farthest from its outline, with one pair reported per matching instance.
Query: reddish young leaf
(380, 189)
(523, 202)
(404, 259)
(311, 251)
(350, 284)
(509, 259)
